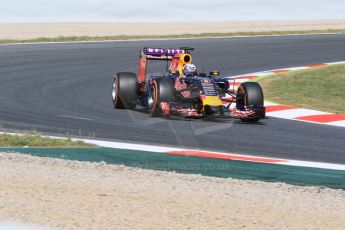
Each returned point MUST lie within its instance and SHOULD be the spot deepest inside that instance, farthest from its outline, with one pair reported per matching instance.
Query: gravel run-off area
(62, 194)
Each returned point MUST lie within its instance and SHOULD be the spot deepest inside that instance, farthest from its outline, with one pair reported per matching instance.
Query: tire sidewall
(126, 90)
(249, 94)
(154, 110)
(252, 94)
(115, 95)
(164, 92)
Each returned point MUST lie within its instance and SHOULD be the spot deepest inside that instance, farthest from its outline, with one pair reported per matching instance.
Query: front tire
(161, 90)
(124, 90)
(249, 94)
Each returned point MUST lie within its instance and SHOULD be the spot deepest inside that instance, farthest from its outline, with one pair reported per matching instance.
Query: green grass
(37, 141)
(320, 88)
(202, 35)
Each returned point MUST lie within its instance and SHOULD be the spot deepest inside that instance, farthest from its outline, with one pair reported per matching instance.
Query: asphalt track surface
(66, 89)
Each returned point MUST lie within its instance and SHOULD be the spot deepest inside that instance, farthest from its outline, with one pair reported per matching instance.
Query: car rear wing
(163, 53)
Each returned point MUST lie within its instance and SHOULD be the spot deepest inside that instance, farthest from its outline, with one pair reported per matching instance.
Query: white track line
(165, 149)
(162, 149)
(293, 113)
(337, 123)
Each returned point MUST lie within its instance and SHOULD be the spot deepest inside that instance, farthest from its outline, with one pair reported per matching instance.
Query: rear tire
(249, 94)
(161, 90)
(124, 90)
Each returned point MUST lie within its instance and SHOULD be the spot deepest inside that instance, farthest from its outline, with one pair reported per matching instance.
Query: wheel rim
(241, 97)
(113, 92)
(152, 96)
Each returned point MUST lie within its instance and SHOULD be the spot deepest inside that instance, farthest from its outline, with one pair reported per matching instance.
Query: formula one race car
(193, 95)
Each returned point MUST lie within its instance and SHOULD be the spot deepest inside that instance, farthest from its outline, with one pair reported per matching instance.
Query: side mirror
(214, 73)
(173, 72)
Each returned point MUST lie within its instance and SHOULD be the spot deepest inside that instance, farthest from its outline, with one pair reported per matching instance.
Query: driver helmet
(189, 70)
